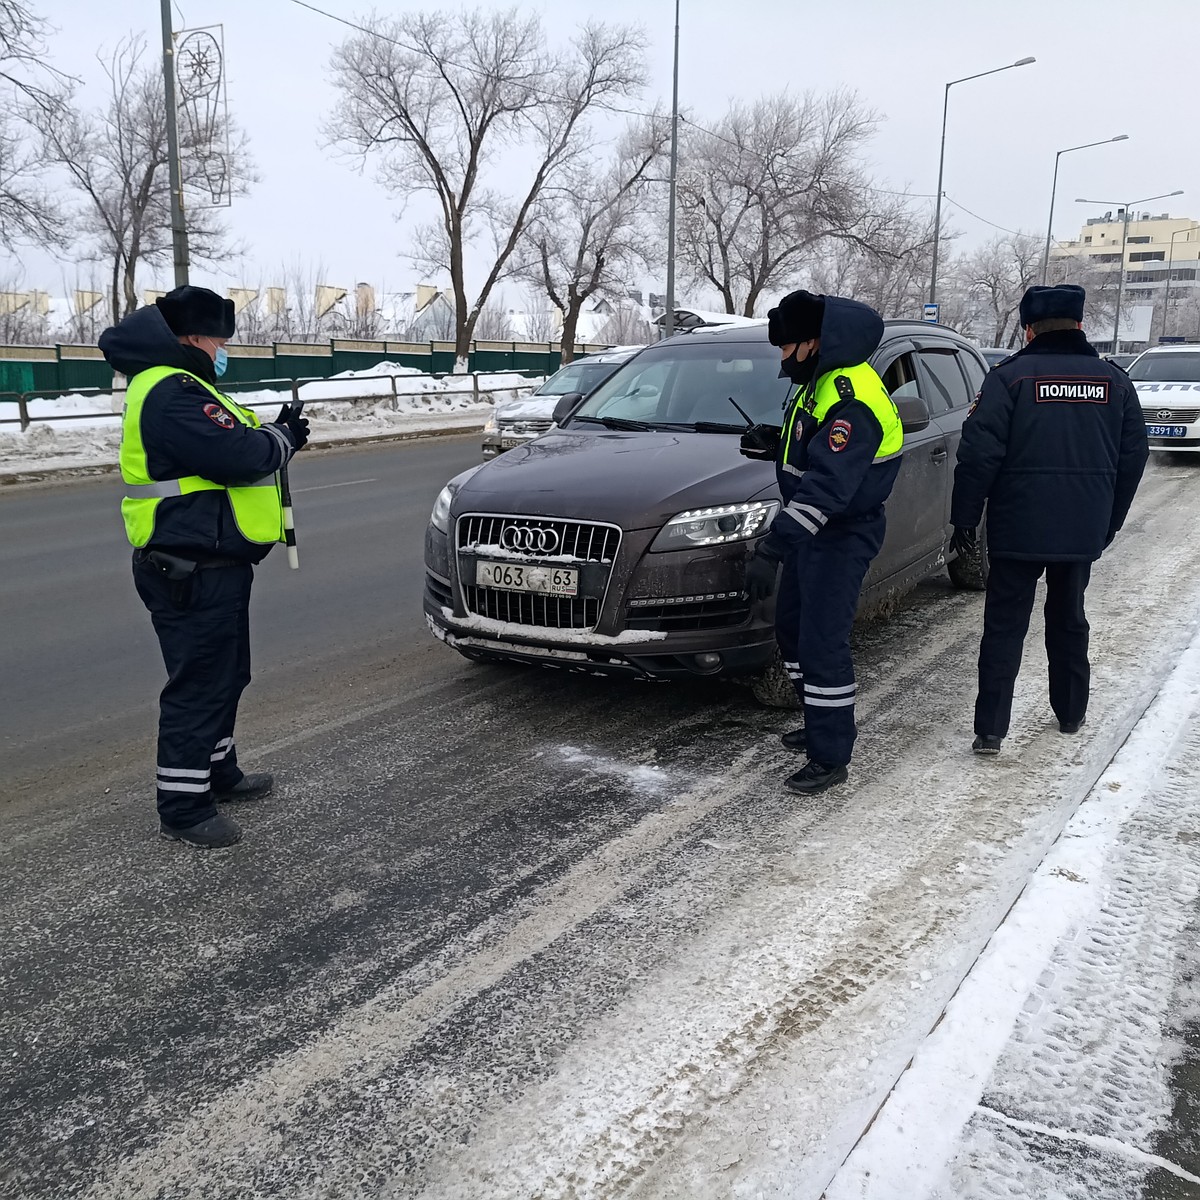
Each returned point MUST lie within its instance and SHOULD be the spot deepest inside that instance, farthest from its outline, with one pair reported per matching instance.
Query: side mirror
(566, 406)
(914, 413)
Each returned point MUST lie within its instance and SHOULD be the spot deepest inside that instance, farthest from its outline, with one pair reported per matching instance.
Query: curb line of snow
(903, 1152)
(33, 475)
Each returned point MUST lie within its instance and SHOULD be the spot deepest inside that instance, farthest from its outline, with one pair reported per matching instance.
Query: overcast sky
(1103, 68)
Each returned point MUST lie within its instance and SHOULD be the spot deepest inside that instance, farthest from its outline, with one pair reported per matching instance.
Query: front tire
(969, 572)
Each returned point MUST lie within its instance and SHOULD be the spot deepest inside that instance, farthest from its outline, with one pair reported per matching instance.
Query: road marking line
(322, 486)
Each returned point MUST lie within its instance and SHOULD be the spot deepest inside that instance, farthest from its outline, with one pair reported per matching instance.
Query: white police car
(1167, 379)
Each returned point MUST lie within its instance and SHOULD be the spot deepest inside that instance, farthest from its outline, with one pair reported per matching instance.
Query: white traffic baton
(285, 495)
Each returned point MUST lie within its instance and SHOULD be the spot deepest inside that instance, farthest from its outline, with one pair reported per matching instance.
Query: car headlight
(716, 526)
(440, 517)
(493, 423)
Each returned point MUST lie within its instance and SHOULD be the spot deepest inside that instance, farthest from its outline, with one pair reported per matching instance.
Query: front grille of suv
(686, 615)
(528, 608)
(588, 547)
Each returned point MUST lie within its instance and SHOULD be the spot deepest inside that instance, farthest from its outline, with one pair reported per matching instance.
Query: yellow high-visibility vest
(869, 389)
(257, 507)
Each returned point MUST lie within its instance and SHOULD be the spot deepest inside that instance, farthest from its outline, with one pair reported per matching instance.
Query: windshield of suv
(1167, 368)
(576, 377)
(685, 384)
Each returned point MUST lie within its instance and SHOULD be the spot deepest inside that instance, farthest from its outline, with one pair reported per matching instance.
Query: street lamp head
(1024, 62)
(1121, 137)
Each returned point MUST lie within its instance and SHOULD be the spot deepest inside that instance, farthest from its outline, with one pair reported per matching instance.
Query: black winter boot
(214, 834)
(796, 740)
(985, 743)
(816, 777)
(249, 787)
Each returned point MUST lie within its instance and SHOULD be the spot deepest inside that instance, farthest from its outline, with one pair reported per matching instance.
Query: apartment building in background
(1161, 265)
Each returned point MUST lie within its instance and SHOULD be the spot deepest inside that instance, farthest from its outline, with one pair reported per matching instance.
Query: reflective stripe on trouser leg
(200, 649)
(787, 623)
(829, 584)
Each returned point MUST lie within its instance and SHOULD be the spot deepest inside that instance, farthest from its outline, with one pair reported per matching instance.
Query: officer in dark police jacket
(1055, 447)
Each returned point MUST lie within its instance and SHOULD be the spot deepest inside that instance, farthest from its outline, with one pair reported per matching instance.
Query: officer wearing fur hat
(202, 506)
(836, 459)
(1055, 446)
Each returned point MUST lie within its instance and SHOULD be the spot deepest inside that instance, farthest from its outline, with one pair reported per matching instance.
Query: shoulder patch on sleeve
(839, 435)
(221, 416)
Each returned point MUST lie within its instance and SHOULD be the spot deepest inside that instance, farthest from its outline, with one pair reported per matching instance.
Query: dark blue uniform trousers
(1011, 586)
(203, 627)
(814, 613)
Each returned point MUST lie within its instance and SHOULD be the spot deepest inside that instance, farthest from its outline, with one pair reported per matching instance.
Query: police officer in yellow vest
(836, 457)
(202, 506)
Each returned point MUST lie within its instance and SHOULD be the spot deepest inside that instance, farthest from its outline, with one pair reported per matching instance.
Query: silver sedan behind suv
(520, 421)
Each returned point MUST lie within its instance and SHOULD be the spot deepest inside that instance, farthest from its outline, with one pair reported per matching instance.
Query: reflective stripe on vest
(868, 390)
(257, 507)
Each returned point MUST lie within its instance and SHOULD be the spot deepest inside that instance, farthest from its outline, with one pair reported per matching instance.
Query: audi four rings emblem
(533, 539)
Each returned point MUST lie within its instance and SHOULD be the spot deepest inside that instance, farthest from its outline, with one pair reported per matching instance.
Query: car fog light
(707, 662)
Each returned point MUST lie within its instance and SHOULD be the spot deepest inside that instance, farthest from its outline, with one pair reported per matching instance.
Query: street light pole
(937, 215)
(179, 237)
(669, 316)
(1121, 137)
(1124, 239)
(1170, 270)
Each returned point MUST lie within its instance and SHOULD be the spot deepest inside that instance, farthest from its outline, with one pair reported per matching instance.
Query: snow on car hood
(632, 479)
(534, 408)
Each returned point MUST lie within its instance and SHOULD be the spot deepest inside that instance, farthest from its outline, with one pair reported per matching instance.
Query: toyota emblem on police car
(1163, 414)
(533, 539)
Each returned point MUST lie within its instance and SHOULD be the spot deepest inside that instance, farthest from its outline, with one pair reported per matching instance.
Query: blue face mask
(220, 362)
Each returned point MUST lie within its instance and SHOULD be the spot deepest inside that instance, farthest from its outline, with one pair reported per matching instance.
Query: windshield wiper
(717, 427)
(617, 423)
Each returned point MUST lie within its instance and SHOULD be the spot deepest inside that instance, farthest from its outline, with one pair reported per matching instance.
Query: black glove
(761, 572)
(761, 441)
(296, 426)
(964, 541)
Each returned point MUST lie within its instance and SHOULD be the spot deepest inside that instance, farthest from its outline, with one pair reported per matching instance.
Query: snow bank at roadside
(350, 405)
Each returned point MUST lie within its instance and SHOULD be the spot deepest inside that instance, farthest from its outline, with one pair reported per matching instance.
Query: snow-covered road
(537, 936)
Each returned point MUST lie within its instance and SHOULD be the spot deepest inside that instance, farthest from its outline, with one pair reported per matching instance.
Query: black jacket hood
(144, 339)
(850, 333)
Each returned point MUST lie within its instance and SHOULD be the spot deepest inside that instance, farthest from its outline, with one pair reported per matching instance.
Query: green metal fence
(62, 368)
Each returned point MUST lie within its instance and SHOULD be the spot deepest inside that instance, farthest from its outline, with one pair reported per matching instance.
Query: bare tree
(628, 326)
(22, 317)
(494, 324)
(768, 185)
(29, 211)
(985, 287)
(540, 322)
(439, 96)
(588, 233)
(115, 160)
(892, 274)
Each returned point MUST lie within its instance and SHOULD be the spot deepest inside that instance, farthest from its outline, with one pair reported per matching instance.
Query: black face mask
(799, 373)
